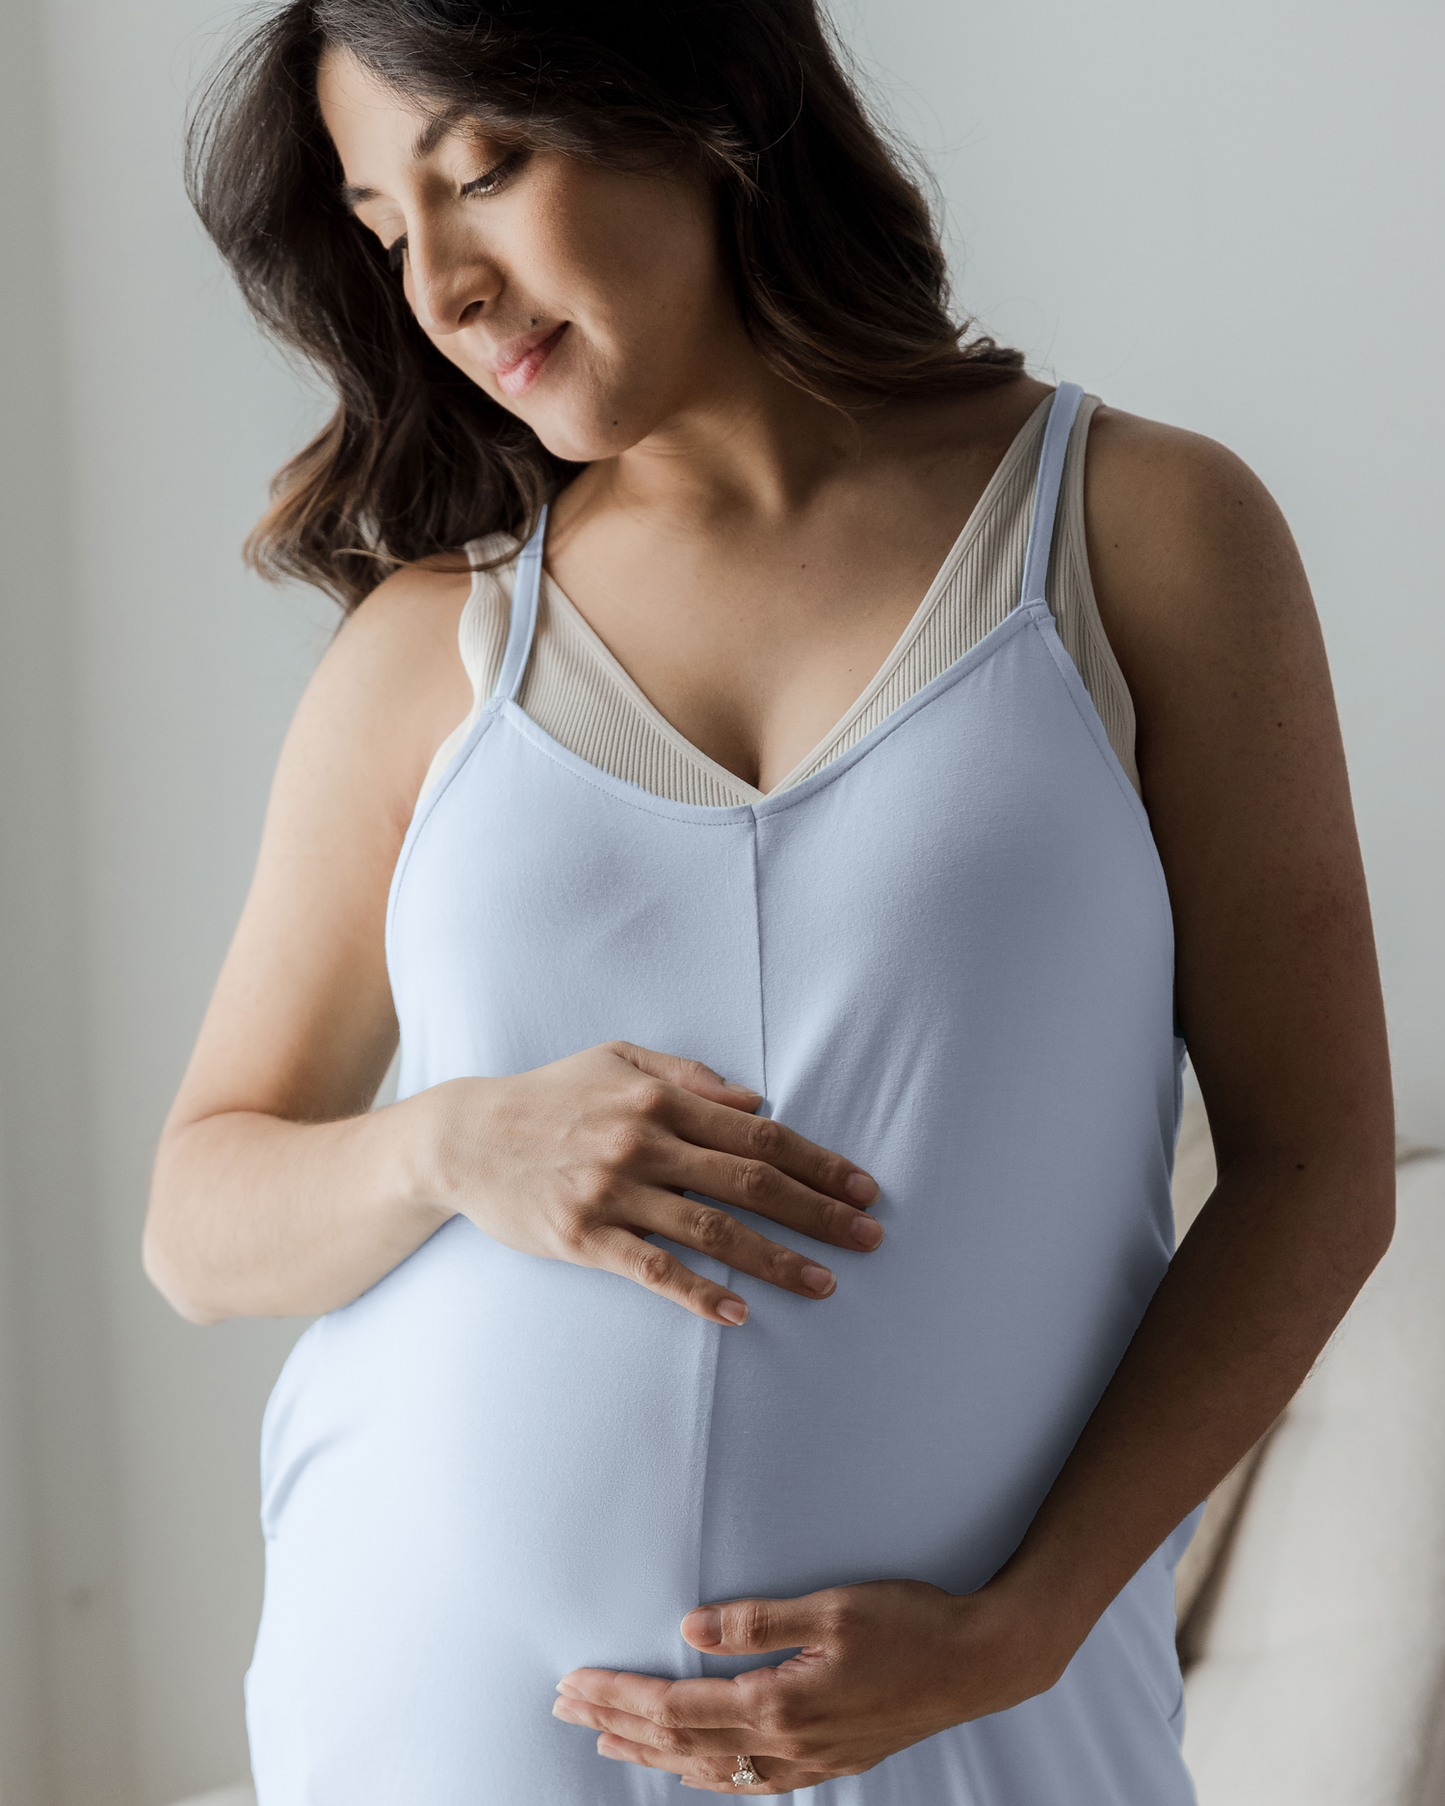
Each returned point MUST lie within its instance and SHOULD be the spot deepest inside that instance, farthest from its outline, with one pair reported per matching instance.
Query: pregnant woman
(792, 783)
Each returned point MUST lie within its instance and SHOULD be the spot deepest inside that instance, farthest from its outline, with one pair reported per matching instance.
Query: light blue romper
(949, 955)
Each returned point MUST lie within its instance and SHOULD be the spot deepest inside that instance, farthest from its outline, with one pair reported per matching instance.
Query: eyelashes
(492, 179)
(488, 182)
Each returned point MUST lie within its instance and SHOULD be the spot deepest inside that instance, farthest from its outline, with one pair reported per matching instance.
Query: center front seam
(708, 1395)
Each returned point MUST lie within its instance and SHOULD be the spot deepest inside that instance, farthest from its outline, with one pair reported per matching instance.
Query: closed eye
(488, 182)
(492, 179)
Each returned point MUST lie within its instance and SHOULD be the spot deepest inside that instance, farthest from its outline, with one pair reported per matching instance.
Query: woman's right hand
(581, 1160)
(280, 1191)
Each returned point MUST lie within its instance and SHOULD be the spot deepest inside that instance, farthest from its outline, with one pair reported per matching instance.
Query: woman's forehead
(352, 94)
(366, 116)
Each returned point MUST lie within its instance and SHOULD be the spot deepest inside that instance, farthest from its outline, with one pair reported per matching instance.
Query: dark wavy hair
(839, 275)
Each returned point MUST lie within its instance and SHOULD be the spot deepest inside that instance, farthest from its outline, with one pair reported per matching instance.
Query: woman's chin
(582, 439)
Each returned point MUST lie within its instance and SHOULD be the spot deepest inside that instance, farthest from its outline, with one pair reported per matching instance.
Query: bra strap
(1062, 410)
(525, 585)
(1065, 406)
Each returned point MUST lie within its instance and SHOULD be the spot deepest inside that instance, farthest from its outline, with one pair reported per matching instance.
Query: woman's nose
(450, 283)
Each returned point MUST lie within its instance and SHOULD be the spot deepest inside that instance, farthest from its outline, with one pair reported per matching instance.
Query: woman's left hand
(881, 1665)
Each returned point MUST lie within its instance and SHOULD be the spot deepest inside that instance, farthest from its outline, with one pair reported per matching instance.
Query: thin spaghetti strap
(525, 585)
(1064, 407)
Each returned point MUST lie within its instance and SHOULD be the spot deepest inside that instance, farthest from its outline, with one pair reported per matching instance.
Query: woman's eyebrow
(425, 142)
(435, 129)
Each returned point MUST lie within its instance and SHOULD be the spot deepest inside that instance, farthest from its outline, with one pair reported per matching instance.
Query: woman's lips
(518, 376)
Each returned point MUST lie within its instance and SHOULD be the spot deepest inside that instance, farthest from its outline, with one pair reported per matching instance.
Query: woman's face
(590, 302)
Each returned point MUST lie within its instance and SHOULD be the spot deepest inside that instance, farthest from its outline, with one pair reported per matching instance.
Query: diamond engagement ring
(747, 1775)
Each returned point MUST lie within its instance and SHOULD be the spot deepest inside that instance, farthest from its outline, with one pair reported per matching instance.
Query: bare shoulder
(1181, 531)
(1200, 587)
(404, 632)
(389, 689)
(301, 1023)
(1205, 599)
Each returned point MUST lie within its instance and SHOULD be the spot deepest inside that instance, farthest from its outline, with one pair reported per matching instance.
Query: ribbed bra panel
(575, 690)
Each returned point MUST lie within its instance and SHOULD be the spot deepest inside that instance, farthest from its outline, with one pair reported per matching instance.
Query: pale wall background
(1224, 215)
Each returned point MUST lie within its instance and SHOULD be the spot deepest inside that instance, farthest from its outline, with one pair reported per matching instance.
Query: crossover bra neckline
(975, 522)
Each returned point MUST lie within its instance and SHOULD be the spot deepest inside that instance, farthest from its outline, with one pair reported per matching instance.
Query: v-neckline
(749, 793)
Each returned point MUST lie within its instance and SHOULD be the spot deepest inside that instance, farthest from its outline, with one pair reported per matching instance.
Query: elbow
(1361, 1217)
(184, 1299)
(1341, 1200)
(1369, 1186)
(165, 1267)
(1377, 1211)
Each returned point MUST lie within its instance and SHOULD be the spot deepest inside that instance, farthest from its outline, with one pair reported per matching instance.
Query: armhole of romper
(1070, 581)
(481, 641)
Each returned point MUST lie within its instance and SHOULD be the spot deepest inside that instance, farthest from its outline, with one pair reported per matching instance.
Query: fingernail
(861, 1188)
(866, 1232)
(733, 1310)
(746, 1090)
(569, 1692)
(817, 1279)
(564, 1711)
(703, 1626)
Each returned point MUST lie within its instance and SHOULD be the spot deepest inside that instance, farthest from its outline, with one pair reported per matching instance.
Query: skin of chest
(753, 632)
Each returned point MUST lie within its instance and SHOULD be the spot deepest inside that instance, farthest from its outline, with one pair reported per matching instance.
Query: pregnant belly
(522, 1454)
(518, 1446)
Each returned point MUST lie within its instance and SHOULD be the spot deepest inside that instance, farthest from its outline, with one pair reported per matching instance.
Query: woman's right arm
(278, 1191)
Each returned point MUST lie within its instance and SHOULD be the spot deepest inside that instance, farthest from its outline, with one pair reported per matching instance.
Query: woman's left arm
(1206, 605)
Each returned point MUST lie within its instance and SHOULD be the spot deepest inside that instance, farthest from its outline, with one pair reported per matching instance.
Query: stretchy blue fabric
(948, 954)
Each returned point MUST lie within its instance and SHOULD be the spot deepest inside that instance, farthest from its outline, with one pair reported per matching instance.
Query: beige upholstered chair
(1312, 1601)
